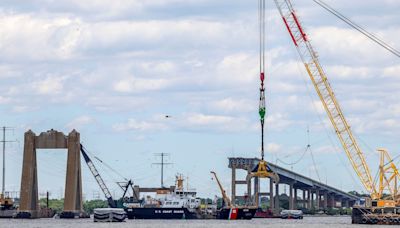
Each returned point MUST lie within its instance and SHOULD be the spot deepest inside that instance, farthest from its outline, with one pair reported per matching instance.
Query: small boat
(109, 215)
(292, 214)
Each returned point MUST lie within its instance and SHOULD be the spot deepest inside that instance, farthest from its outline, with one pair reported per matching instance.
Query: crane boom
(326, 94)
(224, 196)
(98, 178)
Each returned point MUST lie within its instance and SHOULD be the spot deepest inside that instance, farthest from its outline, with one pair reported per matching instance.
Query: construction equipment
(98, 178)
(388, 172)
(227, 201)
(262, 170)
(6, 203)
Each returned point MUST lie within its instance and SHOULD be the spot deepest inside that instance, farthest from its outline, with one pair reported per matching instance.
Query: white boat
(109, 215)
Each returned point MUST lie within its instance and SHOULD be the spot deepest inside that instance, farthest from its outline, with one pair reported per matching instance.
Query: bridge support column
(233, 184)
(73, 184)
(312, 200)
(325, 200)
(318, 199)
(257, 191)
(277, 206)
(249, 195)
(339, 200)
(345, 203)
(29, 188)
(291, 206)
(309, 199)
(295, 199)
(332, 200)
(304, 199)
(271, 194)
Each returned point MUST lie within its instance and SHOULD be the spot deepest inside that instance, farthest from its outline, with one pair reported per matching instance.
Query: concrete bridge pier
(291, 206)
(248, 182)
(233, 185)
(29, 203)
(257, 191)
(325, 200)
(331, 200)
(277, 205)
(309, 199)
(271, 194)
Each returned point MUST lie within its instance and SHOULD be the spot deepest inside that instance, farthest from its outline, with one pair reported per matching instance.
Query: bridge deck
(289, 177)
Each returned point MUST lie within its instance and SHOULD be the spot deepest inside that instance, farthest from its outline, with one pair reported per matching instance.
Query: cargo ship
(178, 204)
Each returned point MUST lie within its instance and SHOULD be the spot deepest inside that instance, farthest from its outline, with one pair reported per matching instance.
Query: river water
(308, 222)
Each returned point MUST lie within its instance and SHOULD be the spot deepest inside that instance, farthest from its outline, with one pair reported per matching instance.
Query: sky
(112, 70)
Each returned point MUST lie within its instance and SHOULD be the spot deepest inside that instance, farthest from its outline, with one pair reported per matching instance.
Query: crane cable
(262, 110)
(105, 164)
(358, 28)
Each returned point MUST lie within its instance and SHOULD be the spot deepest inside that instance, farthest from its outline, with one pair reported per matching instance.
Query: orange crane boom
(227, 201)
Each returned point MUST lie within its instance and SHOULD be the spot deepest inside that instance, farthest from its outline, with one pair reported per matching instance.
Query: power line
(4, 141)
(358, 28)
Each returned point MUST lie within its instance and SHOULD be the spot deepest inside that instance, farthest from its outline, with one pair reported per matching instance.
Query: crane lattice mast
(325, 93)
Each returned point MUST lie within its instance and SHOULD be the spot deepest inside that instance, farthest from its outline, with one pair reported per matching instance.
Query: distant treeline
(88, 206)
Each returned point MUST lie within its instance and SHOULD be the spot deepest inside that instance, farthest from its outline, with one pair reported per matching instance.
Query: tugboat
(231, 212)
(178, 204)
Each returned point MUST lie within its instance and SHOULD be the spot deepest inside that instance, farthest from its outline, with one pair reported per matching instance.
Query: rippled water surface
(309, 222)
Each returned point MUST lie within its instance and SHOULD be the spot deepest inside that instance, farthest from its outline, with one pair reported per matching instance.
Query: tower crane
(225, 197)
(388, 172)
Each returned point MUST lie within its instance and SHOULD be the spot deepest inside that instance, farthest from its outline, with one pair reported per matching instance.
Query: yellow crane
(226, 199)
(388, 172)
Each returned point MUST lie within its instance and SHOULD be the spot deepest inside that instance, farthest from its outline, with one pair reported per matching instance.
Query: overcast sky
(114, 69)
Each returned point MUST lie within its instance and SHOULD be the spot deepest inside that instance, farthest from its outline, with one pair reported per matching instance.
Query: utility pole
(162, 164)
(3, 189)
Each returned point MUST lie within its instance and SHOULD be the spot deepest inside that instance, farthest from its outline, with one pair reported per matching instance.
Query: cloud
(136, 125)
(278, 121)
(239, 68)
(392, 71)
(234, 105)
(4, 100)
(335, 49)
(49, 86)
(188, 122)
(79, 122)
(138, 85)
(204, 122)
(273, 148)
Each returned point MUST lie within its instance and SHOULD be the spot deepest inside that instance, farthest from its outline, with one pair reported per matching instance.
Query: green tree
(90, 205)
(55, 204)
